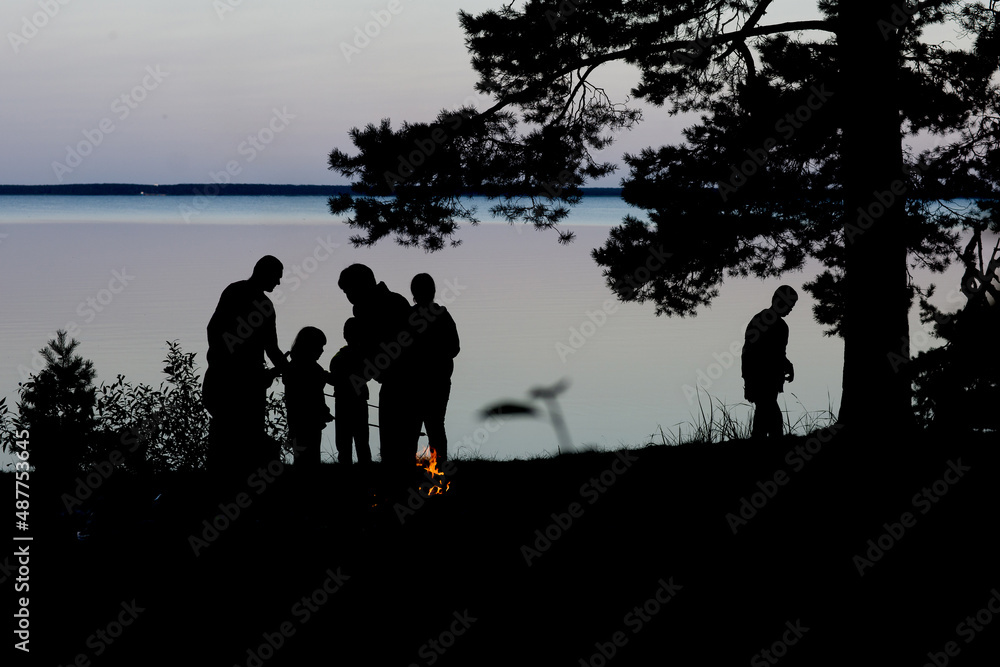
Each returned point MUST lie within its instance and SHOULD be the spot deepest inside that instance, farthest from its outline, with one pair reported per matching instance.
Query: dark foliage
(139, 428)
(755, 189)
(166, 428)
(56, 407)
(802, 151)
(957, 385)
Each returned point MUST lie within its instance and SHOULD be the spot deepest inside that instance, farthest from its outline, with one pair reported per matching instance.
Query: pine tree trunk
(876, 386)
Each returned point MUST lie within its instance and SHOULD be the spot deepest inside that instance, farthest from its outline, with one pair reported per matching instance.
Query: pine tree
(802, 151)
(56, 407)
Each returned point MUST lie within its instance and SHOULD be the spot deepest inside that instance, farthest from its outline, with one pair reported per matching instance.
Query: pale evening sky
(173, 91)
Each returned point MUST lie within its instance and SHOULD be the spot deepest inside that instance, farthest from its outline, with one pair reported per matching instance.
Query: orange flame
(429, 463)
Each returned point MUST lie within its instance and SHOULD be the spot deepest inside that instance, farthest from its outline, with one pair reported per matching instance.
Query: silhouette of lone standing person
(765, 366)
(242, 330)
(382, 316)
(434, 351)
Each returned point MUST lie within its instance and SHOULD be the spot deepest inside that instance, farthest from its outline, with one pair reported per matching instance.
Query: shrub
(73, 425)
(56, 407)
(164, 429)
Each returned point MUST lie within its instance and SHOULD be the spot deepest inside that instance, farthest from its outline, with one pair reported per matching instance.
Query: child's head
(308, 344)
(422, 287)
(352, 331)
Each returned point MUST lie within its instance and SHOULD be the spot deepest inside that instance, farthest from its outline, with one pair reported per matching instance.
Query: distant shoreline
(230, 190)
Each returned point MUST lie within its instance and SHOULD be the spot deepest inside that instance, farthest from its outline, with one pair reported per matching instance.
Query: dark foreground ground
(623, 558)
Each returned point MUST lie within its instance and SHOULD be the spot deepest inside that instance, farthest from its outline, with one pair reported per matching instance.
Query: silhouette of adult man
(242, 330)
(765, 366)
(382, 316)
(435, 347)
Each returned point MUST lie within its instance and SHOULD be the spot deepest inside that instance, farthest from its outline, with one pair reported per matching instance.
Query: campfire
(427, 460)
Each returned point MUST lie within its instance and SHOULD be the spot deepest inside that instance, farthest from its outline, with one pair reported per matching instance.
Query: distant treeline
(230, 189)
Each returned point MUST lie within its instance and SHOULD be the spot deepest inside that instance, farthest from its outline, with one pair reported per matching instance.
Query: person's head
(308, 344)
(422, 287)
(784, 300)
(352, 331)
(357, 281)
(267, 273)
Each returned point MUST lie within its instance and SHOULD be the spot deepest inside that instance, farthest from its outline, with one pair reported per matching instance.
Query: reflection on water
(201, 209)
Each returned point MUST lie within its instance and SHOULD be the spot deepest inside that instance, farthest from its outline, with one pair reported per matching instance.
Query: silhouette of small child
(350, 396)
(304, 381)
(434, 349)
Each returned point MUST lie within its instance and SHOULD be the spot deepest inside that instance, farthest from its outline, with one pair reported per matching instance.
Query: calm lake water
(130, 273)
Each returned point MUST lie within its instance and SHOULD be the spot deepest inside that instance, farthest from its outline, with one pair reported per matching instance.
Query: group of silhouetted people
(408, 350)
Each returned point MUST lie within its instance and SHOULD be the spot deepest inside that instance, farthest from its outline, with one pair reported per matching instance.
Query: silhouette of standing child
(764, 364)
(434, 350)
(350, 392)
(308, 413)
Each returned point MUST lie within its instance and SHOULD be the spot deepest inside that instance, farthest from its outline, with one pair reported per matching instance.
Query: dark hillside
(632, 561)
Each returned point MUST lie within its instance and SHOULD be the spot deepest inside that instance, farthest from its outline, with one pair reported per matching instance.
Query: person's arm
(451, 345)
(319, 376)
(750, 356)
(221, 318)
(269, 375)
(271, 349)
(788, 371)
(329, 374)
(276, 356)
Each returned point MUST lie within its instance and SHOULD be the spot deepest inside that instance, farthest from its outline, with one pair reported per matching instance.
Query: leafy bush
(166, 428)
(276, 424)
(74, 425)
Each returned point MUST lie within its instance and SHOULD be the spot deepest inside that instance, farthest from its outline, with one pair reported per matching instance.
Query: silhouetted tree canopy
(804, 149)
